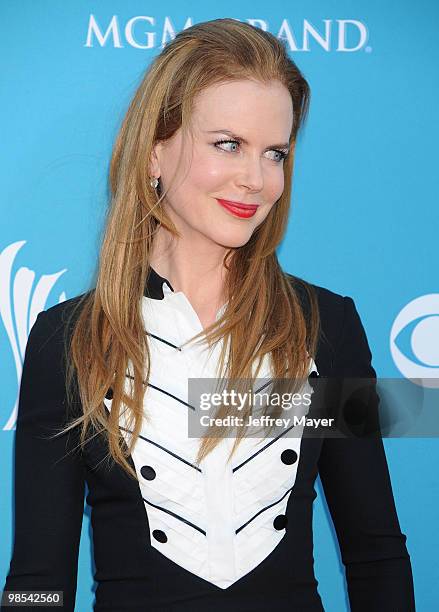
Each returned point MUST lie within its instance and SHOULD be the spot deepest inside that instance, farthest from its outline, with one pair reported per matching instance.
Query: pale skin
(252, 172)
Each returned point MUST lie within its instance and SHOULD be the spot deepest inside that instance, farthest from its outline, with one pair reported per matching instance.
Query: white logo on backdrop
(423, 314)
(143, 32)
(20, 303)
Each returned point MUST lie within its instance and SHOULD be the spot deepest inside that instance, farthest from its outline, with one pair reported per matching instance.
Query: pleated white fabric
(220, 519)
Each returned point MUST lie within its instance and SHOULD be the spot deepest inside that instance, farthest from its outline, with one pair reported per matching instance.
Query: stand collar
(154, 285)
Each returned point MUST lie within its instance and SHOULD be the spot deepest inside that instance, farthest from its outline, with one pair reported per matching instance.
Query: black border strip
(180, 518)
(263, 510)
(264, 385)
(192, 465)
(163, 340)
(166, 393)
(180, 400)
(262, 449)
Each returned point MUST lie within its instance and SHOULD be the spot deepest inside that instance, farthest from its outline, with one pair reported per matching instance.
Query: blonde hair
(264, 314)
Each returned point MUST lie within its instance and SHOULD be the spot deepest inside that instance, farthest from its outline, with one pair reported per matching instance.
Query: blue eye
(220, 142)
(282, 154)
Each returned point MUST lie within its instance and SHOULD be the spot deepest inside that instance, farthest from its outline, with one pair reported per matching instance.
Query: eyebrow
(284, 145)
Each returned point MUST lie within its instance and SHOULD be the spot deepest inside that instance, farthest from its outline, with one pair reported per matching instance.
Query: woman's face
(253, 121)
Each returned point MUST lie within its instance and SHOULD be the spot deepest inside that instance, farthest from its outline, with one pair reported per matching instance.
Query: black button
(289, 456)
(280, 522)
(160, 535)
(312, 379)
(148, 472)
(109, 394)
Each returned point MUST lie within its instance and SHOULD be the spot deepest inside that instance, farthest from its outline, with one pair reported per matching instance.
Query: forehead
(245, 104)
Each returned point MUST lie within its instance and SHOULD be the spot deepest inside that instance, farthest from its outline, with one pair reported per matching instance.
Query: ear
(154, 164)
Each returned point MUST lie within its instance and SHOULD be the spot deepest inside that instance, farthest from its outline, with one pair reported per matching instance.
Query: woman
(201, 182)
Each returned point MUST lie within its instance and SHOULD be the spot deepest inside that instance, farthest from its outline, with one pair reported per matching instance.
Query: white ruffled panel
(264, 478)
(259, 538)
(215, 499)
(177, 486)
(185, 545)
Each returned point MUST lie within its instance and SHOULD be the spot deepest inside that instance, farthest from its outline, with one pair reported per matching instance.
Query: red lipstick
(239, 209)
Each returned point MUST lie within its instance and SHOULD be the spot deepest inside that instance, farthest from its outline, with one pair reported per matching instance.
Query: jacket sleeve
(49, 478)
(357, 487)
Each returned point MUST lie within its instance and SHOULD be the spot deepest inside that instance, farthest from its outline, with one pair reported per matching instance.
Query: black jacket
(131, 574)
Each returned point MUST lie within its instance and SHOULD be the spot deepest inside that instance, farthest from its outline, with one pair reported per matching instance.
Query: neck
(193, 266)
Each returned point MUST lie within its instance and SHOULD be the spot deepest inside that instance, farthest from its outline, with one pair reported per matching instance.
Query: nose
(251, 175)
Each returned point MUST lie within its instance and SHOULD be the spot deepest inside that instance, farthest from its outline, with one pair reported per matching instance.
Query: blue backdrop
(364, 216)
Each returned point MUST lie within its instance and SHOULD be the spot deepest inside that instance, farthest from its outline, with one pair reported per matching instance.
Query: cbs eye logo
(414, 341)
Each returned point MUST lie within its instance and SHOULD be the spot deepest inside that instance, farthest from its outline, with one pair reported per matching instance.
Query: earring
(154, 183)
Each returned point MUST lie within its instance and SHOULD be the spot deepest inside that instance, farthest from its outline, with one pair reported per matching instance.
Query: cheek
(273, 189)
(198, 185)
(276, 184)
(209, 173)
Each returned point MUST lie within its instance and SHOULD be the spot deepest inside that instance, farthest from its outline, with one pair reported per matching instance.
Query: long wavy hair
(264, 313)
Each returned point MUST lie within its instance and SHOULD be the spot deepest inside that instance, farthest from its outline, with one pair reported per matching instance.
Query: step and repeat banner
(364, 220)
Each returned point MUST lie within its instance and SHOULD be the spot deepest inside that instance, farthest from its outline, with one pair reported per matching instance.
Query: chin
(232, 239)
